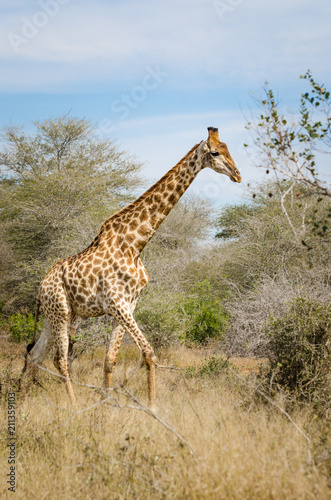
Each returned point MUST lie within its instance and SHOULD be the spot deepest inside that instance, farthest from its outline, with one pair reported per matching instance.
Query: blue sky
(155, 74)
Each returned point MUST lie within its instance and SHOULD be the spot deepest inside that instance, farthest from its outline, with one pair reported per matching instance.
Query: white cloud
(88, 42)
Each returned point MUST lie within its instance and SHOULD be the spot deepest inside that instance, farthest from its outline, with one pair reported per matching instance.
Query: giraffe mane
(146, 193)
(132, 205)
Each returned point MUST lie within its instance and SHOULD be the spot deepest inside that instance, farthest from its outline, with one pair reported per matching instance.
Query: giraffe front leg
(150, 360)
(112, 352)
(123, 313)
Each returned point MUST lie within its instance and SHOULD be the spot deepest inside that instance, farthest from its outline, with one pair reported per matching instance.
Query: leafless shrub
(250, 310)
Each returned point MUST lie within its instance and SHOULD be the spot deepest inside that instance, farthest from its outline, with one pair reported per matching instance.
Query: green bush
(167, 318)
(160, 316)
(300, 350)
(207, 317)
(211, 367)
(21, 327)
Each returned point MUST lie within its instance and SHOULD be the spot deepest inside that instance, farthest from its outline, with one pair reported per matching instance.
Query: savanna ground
(236, 446)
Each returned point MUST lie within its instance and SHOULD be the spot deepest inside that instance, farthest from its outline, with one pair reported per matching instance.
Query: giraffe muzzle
(236, 177)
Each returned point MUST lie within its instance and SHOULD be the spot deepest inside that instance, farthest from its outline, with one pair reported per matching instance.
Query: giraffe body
(108, 276)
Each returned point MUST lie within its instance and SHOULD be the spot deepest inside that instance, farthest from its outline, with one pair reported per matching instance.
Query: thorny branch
(109, 398)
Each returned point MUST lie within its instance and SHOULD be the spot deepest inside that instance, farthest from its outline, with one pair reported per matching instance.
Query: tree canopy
(57, 185)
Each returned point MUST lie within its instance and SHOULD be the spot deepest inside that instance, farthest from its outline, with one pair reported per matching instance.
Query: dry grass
(243, 449)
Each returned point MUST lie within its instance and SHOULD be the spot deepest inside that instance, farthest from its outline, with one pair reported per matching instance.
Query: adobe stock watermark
(223, 7)
(11, 443)
(31, 26)
(122, 106)
(213, 188)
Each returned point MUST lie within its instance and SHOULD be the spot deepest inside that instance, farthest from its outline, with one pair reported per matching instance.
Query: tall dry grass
(242, 449)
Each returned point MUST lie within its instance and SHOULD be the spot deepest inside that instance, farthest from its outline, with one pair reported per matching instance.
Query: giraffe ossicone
(108, 276)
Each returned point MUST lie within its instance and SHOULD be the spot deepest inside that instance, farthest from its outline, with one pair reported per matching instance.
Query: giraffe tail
(32, 343)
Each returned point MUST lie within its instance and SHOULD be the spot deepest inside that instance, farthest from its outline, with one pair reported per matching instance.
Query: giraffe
(108, 276)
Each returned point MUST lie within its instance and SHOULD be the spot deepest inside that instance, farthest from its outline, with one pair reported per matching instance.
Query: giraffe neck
(145, 215)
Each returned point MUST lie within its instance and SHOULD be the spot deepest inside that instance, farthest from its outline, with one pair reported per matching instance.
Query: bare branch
(110, 399)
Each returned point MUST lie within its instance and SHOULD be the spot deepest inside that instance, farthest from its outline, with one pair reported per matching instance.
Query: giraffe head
(217, 156)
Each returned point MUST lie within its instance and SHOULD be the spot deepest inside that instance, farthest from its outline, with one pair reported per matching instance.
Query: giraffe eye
(214, 153)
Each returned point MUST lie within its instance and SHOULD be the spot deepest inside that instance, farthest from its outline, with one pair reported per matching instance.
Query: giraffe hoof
(150, 358)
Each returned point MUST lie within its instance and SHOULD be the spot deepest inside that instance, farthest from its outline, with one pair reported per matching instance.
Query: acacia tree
(57, 186)
(292, 147)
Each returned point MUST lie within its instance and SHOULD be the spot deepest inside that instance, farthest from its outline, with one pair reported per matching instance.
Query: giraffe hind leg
(36, 354)
(56, 359)
(112, 352)
(61, 336)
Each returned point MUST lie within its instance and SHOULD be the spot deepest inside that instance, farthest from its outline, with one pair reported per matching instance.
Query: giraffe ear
(213, 134)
